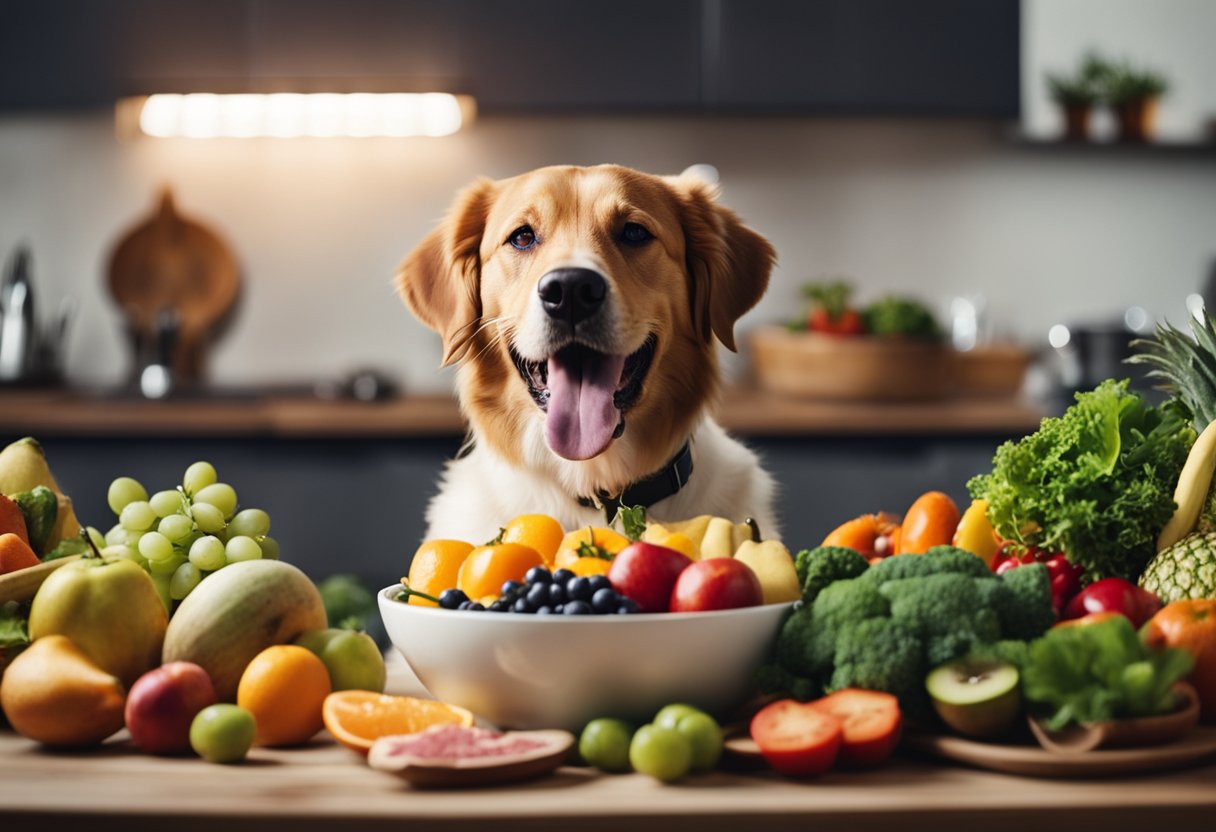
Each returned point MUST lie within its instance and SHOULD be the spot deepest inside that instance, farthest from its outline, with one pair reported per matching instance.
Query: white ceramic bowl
(527, 671)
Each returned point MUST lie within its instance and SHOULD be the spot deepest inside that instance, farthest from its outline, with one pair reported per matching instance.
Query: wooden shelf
(744, 411)
(1196, 149)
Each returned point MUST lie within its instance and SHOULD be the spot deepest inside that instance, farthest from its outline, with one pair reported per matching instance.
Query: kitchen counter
(744, 411)
(325, 785)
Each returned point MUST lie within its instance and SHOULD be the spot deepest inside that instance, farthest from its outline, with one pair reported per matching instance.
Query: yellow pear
(54, 694)
(774, 566)
(23, 466)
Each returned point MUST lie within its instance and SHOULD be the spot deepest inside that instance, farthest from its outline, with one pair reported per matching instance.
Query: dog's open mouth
(585, 394)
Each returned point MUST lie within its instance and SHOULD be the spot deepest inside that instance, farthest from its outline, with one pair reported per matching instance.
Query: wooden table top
(743, 411)
(326, 786)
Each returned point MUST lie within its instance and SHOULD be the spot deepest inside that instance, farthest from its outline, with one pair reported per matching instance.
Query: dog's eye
(635, 234)
(523, 238)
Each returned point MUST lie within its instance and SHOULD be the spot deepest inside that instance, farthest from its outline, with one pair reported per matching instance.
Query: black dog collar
(659, 485)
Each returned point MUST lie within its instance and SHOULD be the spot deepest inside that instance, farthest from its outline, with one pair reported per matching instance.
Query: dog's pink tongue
(582, 417)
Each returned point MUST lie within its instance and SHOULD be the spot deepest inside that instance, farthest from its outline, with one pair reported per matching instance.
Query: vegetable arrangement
(832, 312)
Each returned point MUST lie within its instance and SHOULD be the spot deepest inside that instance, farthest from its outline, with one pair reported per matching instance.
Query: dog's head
(582, 305)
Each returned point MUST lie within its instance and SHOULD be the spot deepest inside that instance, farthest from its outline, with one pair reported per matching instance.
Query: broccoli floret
(879, 654)
(839, 607)
(775, 679)
(819, 567)
(937, 560)
(1026, 611)
(942, 611)
(1014, 652)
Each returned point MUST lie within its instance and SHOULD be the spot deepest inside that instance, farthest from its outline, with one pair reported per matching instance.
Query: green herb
(633, 521)
(14, 632)
(1100, 672)
(1096, 483)
(833, 296)
(901, 316)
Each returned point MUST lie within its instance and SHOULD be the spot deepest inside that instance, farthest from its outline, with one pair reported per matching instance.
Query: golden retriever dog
(581, 306)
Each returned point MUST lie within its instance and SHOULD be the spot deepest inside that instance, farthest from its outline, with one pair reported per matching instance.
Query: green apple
(109, 609)
(977, 699)
(352, 658)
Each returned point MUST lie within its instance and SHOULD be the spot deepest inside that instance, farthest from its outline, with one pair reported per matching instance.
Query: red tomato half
(870, 721)
(796, 738)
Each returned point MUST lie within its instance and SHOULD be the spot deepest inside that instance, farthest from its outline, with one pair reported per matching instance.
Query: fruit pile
(679, 740)
(535, 567)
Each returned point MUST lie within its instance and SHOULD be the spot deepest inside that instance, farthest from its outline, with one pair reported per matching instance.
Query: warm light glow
(288, 115)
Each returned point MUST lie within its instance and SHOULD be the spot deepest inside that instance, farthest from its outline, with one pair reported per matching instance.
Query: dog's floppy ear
(728, 263)
(440, 280)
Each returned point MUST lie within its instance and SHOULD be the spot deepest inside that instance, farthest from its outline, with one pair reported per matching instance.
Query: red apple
(716, 584)
(162, 704)
(646, 573)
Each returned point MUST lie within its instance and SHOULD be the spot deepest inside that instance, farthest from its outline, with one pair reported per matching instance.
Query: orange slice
(357, 718)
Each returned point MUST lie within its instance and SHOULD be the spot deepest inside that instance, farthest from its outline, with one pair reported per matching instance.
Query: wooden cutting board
(168, 261)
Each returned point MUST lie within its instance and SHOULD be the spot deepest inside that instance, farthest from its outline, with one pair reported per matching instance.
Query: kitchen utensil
(17, 322)
(170, 261)
(528, 671)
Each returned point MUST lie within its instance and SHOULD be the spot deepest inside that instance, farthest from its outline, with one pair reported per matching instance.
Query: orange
(284, 688)
(931, 521)
(487, 567)
(540, 531)
(357, 718)
(436, 567)
(1191, 625)
(589, 566)
(607, 539)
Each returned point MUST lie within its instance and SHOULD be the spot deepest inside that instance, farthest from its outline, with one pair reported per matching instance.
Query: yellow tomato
(975, 532)
(488, 567)
(436, 567)
(540, 531)
(607, 539)
(586, 567)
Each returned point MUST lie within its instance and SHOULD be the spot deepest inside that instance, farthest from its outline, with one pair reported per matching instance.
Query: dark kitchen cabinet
(947, 57)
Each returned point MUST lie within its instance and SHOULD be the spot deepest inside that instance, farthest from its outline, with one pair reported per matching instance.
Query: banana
(1192, 488)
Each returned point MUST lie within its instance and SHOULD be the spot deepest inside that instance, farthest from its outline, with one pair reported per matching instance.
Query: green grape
(116, 535)
(221, 495)
(209, 518)
(222, 733)
(124, 552)
(198, 476)
(705, 736)
(176, 527)
(166, 567)
(161, 582)
(95, 536)
(155, 547)
(185, 578)
(137, 516)
(166, 503)
(669, 716)
(663, 753)
(208, 553)
(252, 522)
(242, 548)
(125, 490)
(270, 547)
(604, 744)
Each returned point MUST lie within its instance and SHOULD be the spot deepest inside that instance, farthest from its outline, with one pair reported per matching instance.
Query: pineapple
(1185, 570)
(1186, 364)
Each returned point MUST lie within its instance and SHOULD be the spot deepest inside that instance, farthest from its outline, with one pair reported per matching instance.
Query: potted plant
(1076, 95)
(1133, 95)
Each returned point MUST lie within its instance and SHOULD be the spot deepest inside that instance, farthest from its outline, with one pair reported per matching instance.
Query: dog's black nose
(572, 295)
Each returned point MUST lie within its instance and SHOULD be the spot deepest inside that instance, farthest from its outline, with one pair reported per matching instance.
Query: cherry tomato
(870, 721)
(797, 739)
(848, 322)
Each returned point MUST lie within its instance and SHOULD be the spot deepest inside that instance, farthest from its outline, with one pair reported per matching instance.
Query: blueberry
(557, 594)
(509, 587)
(537, 595)
(450, 599)
(559, 609)
(521, 605)
(577, 608)
(476, 606)
(579, 589)
(499, 606)
(561, 576)
(538, 575)
(627, 606)
(545, 610)
(464, 605)
(599, 582)
(605, 601)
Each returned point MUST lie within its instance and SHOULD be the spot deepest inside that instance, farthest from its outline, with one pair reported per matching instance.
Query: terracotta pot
(1137, 119)
(1076, 122)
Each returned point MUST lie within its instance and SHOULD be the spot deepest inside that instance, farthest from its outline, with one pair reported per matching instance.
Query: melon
(238, 612)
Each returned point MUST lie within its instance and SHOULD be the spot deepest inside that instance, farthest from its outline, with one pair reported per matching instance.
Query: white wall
(937, 208)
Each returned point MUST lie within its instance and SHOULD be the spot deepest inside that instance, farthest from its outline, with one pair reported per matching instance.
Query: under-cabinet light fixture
(292, 115)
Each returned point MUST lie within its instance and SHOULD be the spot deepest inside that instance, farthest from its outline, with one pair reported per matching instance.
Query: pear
(23, 467)
(54, 694)
(774, 566)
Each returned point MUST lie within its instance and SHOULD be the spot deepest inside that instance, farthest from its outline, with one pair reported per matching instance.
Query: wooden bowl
(849, 368)
(992, 371)
(1124, 733)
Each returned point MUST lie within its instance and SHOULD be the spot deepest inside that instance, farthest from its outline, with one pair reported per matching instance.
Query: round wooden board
(1033, 761)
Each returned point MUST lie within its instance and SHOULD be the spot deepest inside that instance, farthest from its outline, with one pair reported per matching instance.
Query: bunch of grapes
(184, 534)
